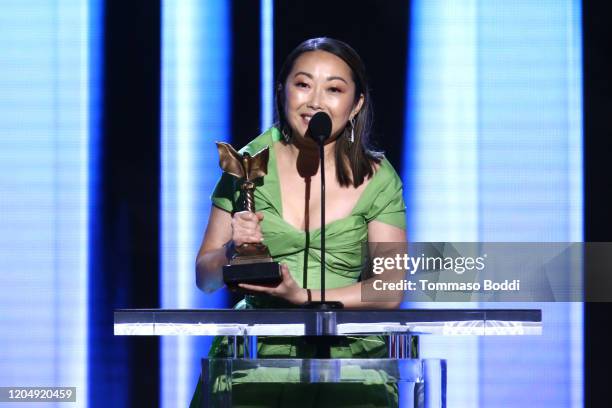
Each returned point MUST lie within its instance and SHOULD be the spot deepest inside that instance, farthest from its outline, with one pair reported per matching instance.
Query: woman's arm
(350, 296)
(222, 232)
(212, 254)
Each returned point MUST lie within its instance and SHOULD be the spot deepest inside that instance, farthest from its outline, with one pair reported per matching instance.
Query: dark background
(125, 226)
(597, 57)
(125, 242)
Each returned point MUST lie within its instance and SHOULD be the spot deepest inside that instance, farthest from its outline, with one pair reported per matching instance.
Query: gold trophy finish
(247, 168)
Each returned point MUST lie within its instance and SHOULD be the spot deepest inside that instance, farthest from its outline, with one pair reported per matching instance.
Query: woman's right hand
(246, 228)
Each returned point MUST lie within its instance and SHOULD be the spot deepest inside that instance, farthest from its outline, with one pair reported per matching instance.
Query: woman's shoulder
(384, 172)
(384, 184)
(384, 201)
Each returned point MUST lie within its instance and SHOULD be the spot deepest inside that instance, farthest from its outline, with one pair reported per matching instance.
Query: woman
(363, 204)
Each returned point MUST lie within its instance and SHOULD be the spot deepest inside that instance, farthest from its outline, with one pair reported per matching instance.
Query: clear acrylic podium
(419, 382)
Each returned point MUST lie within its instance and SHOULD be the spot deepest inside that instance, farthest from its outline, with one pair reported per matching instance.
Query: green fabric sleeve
(224, 194)
(388, 205)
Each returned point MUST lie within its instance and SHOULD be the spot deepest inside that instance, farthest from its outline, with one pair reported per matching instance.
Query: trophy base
(265, 273)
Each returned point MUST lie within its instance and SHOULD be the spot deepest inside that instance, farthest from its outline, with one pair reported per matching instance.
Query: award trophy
(251, 262)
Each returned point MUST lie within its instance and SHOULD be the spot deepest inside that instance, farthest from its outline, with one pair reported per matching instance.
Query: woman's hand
(246, 228)
(287, 289)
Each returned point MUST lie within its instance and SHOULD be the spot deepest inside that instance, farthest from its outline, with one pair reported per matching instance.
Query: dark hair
(354, 161)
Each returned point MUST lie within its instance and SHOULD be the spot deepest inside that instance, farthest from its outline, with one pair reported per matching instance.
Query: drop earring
(352, 138)
(286, 134)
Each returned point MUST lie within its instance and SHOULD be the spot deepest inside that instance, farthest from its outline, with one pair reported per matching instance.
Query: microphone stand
(323, 305)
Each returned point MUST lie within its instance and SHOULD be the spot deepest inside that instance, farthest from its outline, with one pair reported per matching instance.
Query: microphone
(320, 127)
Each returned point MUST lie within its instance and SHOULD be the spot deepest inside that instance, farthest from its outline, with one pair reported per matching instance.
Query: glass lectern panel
(400, 382)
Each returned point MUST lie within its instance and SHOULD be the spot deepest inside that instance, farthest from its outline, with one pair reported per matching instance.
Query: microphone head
(320, 127)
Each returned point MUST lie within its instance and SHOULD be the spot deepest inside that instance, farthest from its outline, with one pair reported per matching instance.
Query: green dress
(345, 241)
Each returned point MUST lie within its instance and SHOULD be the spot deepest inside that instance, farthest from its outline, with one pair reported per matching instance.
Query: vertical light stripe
(494, 151)
(528, 191)
(442, 127)
(576, 189)
(186, 131)
(45, 129)
(267, 64)
(177, 124)
(441, 170)
(196, 72)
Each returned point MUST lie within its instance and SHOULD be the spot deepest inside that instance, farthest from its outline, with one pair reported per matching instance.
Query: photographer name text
(486, 285)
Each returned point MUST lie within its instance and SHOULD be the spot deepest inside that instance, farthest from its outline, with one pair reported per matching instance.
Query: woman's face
(320, 81)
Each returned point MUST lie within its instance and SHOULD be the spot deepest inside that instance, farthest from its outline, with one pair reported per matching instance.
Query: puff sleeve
(224, 195)
(388, 204)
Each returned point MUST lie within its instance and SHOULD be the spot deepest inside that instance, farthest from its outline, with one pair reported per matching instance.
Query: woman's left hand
(287, 289)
